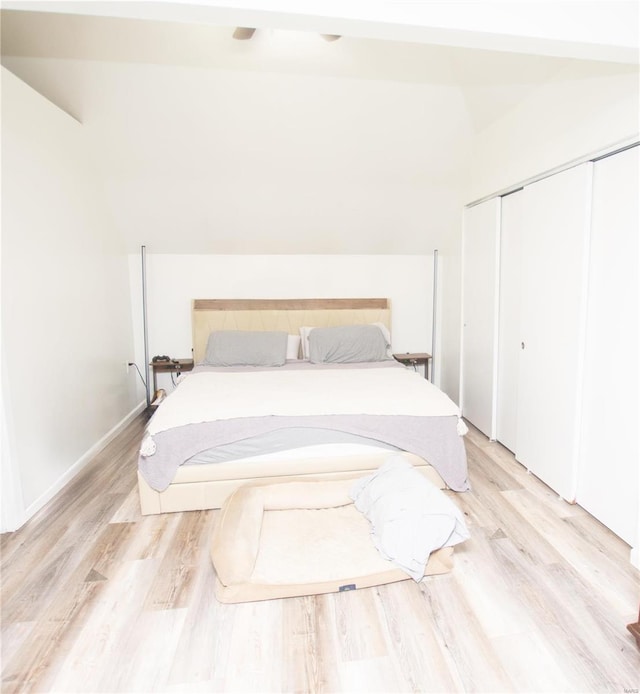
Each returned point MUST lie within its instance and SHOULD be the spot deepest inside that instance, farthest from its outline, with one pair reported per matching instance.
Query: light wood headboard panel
(281, 314)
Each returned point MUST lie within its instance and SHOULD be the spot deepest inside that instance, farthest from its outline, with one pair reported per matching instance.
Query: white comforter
(210, 396)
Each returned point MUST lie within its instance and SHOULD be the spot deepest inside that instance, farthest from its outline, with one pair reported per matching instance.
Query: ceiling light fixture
(243, 33)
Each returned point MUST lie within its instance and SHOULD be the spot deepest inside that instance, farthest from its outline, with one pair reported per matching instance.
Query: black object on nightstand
(414, 359)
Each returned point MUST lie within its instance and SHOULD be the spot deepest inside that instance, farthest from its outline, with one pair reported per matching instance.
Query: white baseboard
(44, 498)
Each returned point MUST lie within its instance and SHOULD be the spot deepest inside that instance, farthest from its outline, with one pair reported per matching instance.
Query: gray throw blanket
(435, 439)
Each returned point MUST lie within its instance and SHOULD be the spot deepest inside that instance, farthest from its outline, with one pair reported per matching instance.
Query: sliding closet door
(554, 246)
(512, 221)
(480, 239)
(608, 478)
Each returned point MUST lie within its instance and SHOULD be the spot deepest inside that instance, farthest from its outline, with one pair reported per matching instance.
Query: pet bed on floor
(300, 538)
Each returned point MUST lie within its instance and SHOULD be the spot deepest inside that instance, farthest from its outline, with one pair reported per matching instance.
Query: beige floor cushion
(299, 538)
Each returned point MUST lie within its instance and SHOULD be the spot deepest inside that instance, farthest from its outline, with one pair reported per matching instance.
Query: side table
(176, 366)
(415, 359)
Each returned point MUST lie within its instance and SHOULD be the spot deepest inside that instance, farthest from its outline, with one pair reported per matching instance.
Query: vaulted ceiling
(282, 144)
(490, 81)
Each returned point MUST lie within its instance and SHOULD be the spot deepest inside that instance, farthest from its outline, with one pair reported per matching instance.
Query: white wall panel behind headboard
(174, 280)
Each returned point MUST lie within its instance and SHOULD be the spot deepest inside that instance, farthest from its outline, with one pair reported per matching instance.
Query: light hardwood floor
(96, 598)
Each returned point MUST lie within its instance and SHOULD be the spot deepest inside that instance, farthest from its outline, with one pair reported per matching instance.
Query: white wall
(450, 314)
(66, 317)
(204, 160)
(582, 109)
(174, 280)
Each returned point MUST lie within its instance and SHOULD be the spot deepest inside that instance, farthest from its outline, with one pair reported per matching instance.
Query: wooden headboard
(281, 314)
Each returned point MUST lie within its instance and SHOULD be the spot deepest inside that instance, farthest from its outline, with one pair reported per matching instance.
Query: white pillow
(293, 347)
(387, 337)
(304, 337)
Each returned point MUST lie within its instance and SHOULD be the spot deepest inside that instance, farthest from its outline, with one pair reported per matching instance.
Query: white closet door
(512, 221)
(608, 477)
(480, 244)
(554, 246)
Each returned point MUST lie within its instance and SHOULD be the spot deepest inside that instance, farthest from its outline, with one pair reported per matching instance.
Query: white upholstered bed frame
(198, 487)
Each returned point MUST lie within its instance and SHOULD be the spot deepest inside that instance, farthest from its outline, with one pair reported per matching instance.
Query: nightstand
(177, 366)
(414, 359)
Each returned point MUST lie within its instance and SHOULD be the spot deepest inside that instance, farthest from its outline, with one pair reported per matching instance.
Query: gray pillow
(347, 344)
(246, 348)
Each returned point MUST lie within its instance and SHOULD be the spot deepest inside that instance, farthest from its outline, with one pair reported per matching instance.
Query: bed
(320, 419)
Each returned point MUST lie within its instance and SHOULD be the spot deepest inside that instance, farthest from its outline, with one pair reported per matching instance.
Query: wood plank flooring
(97, 598)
